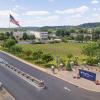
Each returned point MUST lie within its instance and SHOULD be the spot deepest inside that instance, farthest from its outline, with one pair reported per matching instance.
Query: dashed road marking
(67, 89)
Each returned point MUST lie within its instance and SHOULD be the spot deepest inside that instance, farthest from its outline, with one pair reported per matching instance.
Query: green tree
(76, 61)
(97, 31)
(9, 43)
(49, 32)
(31, 37)
(60, 33)
(96, 34)
(69, 56)
(90, 61)
(25, 36)
(87, 38)
(79, 38)
(90, 49)
(66, 32)
(47, 58)
(6, 35)
(28, 52)
(82, 30)
(1, 36)
(37, 55)
(72, 30)
(12, 36)
(16, 49)
(65, 39)
(95, 37)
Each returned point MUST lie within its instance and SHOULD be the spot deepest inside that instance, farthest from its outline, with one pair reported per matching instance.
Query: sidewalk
(5, 95)
(66, 76)
(83, 83)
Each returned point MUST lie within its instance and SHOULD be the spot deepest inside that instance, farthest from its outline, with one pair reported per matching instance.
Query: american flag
(12, 20)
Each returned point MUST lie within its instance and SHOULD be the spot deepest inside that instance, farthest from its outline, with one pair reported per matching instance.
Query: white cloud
(13, 0)
(79, 10)
(51, 0)
(42, 21)
(96, 10)
(94, 1)
(7, 12)
(36, 13)
(76, 16)
(18, 8)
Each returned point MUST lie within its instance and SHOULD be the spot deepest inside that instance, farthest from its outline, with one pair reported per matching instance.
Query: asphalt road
(57, 89)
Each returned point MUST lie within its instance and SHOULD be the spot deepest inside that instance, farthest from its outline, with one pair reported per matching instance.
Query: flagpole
(9, 23)
(9, 19)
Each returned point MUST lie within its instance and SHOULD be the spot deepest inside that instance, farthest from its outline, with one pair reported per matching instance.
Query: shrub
(28, 52)
(69, 56)
(16, 49)
(37, 55)
(66, 41)
(91, 61)
(9, 43)
(76, 61)
(47, 58)
(39, 62)
(63, 61)
(68, 66)
(54, 41)
(38, 42)
(49, 65)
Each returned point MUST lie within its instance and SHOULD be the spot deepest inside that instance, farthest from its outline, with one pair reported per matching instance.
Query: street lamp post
(72, 64)
(57, 62)
(99, 65)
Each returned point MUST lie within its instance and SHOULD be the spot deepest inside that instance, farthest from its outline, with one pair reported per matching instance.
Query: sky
(49, 12)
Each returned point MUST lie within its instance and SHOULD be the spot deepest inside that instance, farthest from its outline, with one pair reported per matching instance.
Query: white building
(39, 35)
(18, 35)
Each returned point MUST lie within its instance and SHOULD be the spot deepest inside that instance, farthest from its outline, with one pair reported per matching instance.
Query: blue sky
(49, 12)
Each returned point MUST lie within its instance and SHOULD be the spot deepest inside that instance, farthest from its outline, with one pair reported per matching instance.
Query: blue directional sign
(87, 75)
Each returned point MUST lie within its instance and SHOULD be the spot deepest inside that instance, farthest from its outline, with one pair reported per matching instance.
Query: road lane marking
(67, 89)
(30, 79)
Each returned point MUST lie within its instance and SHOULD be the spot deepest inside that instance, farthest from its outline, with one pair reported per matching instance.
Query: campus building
(39, 35)
(18, 35)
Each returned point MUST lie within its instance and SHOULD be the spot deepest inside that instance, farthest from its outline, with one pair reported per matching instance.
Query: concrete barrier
(30, 79)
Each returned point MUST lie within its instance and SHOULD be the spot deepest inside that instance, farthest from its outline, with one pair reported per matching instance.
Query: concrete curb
(11, 96)
(5, 94)
(44, 70)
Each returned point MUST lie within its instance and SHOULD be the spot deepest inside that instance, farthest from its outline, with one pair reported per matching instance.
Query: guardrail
(32, 80)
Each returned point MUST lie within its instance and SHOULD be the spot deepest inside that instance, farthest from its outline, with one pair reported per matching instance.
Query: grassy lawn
(57, 49)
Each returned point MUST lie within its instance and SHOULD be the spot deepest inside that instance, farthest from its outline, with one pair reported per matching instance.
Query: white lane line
(21, 74)
(67, 89)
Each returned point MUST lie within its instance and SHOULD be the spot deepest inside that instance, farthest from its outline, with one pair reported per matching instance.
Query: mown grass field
(57, 49)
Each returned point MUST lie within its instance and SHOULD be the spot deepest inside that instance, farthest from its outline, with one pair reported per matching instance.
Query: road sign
(87, 75)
